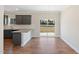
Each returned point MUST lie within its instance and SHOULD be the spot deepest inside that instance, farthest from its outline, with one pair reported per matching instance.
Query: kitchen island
(21, 37)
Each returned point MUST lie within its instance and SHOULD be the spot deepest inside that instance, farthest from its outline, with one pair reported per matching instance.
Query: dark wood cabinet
(5, 19)
(18, 19)
(23, 19)
(16, 38)
(8, 33)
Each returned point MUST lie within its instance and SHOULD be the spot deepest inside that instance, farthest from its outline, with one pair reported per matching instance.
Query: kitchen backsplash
(18, 27)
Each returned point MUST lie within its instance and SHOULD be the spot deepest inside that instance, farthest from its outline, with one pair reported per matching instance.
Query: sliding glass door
(47, 27)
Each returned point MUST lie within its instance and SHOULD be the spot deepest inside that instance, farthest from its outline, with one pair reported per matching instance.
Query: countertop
(22, 30)
(16, 29)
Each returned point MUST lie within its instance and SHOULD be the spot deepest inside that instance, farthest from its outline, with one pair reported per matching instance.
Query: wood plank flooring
(42, 45)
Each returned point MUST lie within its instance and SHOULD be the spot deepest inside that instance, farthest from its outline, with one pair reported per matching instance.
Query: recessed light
(17, 9)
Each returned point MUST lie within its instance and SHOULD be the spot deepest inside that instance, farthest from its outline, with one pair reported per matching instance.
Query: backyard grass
(47, 29)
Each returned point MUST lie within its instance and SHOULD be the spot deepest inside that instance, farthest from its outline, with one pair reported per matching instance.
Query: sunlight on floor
(47, 34)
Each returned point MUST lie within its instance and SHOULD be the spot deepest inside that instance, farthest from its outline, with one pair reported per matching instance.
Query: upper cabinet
(6, 19)
(23, 19)
(9, 20)
(18, 20)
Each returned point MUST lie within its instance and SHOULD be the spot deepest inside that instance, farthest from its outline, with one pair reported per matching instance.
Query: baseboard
(77, 51)
(35, 37)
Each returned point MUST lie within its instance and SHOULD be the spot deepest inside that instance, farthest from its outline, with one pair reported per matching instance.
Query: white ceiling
(34, 7)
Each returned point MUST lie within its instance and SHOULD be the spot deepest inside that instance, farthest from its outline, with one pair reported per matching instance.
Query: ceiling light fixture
(17, 9)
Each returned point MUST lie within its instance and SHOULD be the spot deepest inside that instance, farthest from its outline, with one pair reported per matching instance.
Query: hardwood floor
(42, 45)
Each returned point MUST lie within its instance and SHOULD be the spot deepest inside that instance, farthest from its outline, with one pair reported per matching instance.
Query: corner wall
(70, 27)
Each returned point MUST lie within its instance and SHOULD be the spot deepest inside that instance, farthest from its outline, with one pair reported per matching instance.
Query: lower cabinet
(8, 33)
(16, 38)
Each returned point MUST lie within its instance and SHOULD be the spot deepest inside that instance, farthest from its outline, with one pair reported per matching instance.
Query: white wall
(1, 29)
(70, 26)
(36, 21)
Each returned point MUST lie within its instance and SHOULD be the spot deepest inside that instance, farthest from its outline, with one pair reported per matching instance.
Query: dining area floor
(39, 45)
